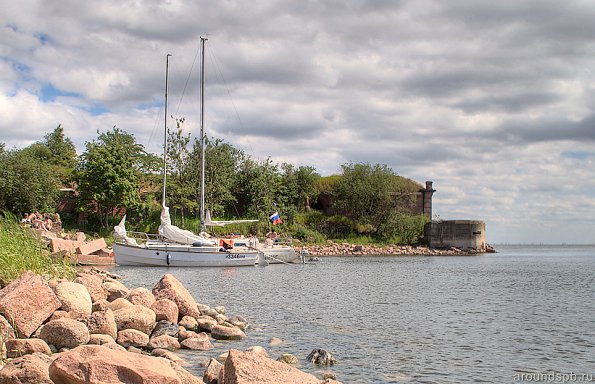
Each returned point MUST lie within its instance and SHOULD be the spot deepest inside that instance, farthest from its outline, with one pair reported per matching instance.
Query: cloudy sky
(492, 100)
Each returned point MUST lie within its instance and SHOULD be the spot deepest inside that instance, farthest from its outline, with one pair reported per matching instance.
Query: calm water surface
(523, 311)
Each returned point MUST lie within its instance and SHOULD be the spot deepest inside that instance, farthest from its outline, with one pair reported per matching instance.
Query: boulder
(211, 374)
(132, 337)
(91, 246)
(164, 327)
(164, 342)
(259, 349)
(220, 332)
(27, 302)
(100, 305)
(135, 317)
(29, 369)
(275, 341)
(185, 376)
(95, 364)
(160, 352)
(103, 322)
(252, 367)
(100, 339)
(75, 299)
(183, 334)
(321, 357)
(119, 303)
(206, 323)
(22, 347)
(239, 322)
(115, 289)
(288, 358)
(188, 322)
(65, 333)
(200, 342)
(6, 333)
(93, 283)
(141, 296)
(165, 309)
(59, 314)
(170, 288)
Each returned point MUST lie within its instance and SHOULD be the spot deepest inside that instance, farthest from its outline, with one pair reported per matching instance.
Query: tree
(27, 182)
(260, 189)
(109, 173)
(300, 185)
(62, 154)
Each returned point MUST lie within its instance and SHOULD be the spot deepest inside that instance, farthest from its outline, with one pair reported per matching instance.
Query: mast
(165, 128)
(202, 134)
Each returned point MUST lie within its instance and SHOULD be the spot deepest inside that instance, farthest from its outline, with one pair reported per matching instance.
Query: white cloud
(490, 100)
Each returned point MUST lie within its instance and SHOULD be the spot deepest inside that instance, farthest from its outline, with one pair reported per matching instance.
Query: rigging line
(157, 120)
(188, 79)
(215, 60)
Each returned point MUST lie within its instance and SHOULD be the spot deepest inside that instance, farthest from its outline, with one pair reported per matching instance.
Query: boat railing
(137, 238)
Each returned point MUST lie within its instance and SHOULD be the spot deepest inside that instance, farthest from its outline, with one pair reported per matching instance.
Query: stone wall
(462, 234)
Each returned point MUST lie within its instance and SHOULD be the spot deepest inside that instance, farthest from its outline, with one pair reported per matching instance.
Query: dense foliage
(115, 174)
(109, 173)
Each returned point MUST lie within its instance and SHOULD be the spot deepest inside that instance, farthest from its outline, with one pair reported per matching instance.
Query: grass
(22, 250)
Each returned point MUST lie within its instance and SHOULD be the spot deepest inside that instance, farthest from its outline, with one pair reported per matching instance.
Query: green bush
(21, 250)
(402, 229)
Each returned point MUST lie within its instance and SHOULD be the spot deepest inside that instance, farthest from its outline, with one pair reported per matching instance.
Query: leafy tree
(109, 173)
(62, 154)
(27, 182)
(260, 189)
(300, 185)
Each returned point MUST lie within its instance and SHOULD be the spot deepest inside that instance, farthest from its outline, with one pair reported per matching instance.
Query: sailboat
(173, 246)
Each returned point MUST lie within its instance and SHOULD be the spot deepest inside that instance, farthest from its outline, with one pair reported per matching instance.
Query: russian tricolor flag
(275, 218)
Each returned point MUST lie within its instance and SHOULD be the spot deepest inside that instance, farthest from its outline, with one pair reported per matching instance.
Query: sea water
(524, 314)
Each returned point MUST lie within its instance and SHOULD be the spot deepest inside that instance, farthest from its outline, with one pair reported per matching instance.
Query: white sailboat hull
(179, 255)
(278, 254)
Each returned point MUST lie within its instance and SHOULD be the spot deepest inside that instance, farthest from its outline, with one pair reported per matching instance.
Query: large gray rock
(75, 299)
(135, 317)
(170, 288)
(65, 333)
(29, 369)
(95, 364)
(27, 302)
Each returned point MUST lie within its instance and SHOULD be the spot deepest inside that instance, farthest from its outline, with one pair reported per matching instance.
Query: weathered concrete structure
(424, 201)
(462, 234)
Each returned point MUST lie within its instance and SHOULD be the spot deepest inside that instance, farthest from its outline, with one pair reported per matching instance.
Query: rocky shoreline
(96, 330)
(346, 249)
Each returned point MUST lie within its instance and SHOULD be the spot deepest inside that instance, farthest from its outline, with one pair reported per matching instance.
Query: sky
(493, 101)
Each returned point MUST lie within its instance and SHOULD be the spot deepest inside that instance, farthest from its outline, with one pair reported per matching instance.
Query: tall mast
(165, 128)
(202, 134)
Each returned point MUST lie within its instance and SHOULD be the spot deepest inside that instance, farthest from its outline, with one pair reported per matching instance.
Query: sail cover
(179, 235)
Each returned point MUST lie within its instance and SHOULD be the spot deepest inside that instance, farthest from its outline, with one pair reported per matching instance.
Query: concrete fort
(462, 234)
